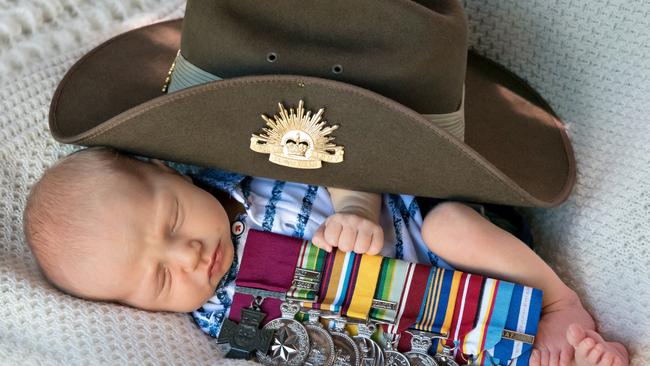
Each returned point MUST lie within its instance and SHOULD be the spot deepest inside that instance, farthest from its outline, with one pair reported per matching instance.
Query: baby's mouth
(216, 258)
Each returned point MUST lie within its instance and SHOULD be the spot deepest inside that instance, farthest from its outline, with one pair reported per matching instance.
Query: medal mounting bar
(383, 305)
(517, 336)
(256, 292)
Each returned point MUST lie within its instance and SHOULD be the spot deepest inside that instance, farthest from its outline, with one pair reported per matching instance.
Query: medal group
(319, 294)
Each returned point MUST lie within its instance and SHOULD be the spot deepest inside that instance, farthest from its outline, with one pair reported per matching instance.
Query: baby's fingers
(363, 242)
(347, 239)
(319, 239)
(377, 242)
(332, 232)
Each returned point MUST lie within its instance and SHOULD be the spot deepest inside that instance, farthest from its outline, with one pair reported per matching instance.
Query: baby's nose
(188, 255)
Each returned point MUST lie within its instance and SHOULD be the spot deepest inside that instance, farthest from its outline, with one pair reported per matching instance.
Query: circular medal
(420, 344)
(290, 344)
(371, 353)
(445, 360)
(346, 352)
(420, 359)
(394, 358)
(322, 346)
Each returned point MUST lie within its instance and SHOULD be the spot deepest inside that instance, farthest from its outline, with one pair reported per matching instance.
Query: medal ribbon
(428, 298)
(439, 301)
(401, 303)
(390, 287)
(310, 258)
(465, 309)
(523, 317)
(410, 302)
(336, 275)
(265, 247)
(493, 310)
(348, 283)
(361, 287)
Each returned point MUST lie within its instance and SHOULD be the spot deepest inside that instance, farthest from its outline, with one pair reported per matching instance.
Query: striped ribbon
(391, 286)
(336, 277)
(410, 303)
(401, 303)
(492, 314)
(523, 316)
(361, 287)
(348, 283)
(436, 312)
(465, 309)
(310, 258)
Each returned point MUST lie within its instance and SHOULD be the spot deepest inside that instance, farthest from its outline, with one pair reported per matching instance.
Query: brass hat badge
(297, 140)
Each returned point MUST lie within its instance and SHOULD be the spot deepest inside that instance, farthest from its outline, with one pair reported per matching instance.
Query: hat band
(183, 74)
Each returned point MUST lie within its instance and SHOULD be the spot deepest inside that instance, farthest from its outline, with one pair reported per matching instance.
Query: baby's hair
(61, 208)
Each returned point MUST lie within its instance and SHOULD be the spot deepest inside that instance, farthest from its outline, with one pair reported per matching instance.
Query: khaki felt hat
(405, 107)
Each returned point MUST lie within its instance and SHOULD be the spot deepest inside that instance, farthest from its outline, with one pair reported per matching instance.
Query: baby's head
(108, 227)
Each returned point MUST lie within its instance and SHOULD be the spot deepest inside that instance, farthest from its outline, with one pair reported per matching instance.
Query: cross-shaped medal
(246, 337)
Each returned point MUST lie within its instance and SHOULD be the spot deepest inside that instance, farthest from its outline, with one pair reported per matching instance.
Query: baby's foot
(551, 345)
(592, 350)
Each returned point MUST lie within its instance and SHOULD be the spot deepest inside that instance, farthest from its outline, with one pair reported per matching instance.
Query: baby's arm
(354, 225)
(471, 243)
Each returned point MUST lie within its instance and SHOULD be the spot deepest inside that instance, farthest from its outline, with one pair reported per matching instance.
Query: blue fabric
(211, 315)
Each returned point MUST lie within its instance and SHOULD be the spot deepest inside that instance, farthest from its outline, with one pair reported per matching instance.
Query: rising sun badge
(297, 139)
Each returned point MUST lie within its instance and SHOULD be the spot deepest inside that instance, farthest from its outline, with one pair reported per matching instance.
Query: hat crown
(412, 52)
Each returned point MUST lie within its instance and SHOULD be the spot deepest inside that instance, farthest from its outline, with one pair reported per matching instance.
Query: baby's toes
(621, 354)
(546, 356)
(607, 359)
(596, 354)
(535, 358)
(566, 355)
(554, 358)
(618, 361)
(584, 347)
(575, 334)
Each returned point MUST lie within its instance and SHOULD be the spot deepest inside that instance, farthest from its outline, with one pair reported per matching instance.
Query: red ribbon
(268, 263)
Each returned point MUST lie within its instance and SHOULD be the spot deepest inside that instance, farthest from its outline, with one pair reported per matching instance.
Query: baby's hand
(349, 232)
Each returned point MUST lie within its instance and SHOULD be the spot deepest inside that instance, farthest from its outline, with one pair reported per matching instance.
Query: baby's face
(170, 244)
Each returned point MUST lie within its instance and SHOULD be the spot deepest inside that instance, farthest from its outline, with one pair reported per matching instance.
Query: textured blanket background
(589, 58)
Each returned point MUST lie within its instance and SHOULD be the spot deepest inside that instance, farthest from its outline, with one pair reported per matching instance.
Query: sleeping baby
(106, 226)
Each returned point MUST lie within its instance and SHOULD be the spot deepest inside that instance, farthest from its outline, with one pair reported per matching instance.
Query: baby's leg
(471, 243)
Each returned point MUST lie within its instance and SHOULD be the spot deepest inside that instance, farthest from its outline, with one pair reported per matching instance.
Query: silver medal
(322, 345)
(446, 358)
(290, 344)
(394, 357)
(371, 353)
(418, 355)
(346, 351)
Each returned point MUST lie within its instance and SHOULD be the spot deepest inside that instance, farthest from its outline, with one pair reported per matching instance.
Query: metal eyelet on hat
(337, 69)
(272, 57)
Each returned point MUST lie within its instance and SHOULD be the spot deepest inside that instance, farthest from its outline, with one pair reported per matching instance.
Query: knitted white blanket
(589, 58)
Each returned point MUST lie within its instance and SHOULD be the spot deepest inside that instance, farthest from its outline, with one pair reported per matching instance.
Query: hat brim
(515, 151)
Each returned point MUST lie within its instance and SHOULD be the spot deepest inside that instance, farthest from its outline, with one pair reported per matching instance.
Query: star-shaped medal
(284, 345)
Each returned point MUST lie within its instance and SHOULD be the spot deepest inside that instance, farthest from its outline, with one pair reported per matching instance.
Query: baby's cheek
(188, 294)
(193, 300)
